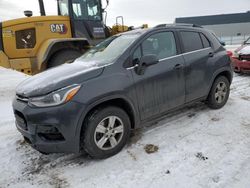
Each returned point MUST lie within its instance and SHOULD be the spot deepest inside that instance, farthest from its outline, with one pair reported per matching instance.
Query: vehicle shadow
(189, 111)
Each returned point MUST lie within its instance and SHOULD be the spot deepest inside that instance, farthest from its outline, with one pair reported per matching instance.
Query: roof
(216, 19)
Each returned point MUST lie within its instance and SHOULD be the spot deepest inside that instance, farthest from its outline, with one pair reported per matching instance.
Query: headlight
(55, 98)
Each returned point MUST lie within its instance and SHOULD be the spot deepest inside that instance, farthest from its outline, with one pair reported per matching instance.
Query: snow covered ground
(198, 147)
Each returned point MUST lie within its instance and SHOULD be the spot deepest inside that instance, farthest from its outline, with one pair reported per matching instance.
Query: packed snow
(197, 147)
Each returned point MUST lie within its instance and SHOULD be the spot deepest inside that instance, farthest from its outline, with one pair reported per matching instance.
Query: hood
(57, 78)
(243, 50)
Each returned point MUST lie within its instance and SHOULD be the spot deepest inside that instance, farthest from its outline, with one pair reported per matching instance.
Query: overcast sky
(137, 12)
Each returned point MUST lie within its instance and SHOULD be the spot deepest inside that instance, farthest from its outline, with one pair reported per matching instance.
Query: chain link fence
(234, 40)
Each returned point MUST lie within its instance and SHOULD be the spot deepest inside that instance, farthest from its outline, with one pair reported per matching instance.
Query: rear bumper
(50, 130)
(241, 66)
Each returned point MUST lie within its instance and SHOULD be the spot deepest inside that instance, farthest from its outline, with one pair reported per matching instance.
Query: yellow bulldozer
(34, 44)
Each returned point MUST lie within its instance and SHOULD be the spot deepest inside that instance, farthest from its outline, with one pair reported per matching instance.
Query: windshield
(94, 9)
(107, 51)
(82, 9)
(247, 41)
(63, 7)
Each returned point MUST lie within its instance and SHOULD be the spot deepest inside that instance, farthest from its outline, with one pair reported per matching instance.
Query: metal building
(231, 28)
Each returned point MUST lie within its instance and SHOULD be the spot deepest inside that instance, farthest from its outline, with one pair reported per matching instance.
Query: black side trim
(1, 37)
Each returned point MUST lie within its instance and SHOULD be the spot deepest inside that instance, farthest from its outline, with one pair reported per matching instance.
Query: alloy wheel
(220, 92)
(109, 133)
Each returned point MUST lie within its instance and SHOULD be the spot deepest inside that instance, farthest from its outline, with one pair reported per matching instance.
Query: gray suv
(121, 84)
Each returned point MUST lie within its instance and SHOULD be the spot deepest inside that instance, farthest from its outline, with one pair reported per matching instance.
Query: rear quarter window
(205, 41)
(191, 41)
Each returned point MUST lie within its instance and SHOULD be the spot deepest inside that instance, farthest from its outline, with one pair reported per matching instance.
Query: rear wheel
(219, 93)
(65, 56)
(106, 132)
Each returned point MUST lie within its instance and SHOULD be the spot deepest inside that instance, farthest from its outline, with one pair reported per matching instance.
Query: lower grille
(50, 133)
(244, 57)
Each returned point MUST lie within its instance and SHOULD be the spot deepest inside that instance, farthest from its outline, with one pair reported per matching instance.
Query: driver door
(162, 86)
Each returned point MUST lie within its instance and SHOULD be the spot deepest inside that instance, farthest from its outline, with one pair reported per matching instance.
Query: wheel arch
(52, 46)
(118, 101)
(227, 72)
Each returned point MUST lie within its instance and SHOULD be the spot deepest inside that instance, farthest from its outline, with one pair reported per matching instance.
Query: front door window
(161, 44)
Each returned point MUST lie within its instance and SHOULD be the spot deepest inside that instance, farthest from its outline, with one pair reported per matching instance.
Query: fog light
(50, 134)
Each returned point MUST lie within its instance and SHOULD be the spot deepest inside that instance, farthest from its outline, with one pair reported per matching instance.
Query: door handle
(211, 54)
(178, 66)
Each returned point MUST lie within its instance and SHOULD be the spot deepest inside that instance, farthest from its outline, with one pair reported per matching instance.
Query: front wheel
(219, 93)
(105, 132)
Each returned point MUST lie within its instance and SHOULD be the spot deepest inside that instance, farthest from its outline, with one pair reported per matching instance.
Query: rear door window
(191, 41)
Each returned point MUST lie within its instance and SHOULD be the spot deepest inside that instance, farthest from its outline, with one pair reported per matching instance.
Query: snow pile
(197, 147)
(9, 80)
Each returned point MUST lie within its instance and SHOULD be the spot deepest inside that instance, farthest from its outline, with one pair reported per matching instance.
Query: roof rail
(178, 24)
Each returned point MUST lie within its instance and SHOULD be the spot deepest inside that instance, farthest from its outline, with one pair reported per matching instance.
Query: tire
(62, 57)
(219, 93)
(97, 139)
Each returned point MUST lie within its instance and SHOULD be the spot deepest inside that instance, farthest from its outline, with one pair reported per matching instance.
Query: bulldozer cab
(86, 19)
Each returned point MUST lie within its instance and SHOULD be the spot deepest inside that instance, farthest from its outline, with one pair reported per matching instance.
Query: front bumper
(50, 130)
(241, 65)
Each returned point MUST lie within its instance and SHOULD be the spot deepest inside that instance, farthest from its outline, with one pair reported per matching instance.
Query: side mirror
(222, 43)
(149, 60)
(107, 4)
(146, 61)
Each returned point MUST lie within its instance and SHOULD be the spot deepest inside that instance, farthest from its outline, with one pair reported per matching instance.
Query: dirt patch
(233, 88)
(200, 156)
(150, 148)
(37, 166)
(168, 172)
(191, 115)
(22, 142)
(245, 124)
(215, 119)
(136, 135)
(216, 179)
(246, 98)
(58, 182)
(132, 155)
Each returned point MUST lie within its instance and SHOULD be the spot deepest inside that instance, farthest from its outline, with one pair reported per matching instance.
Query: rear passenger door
(198, 55)
(161, 87)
